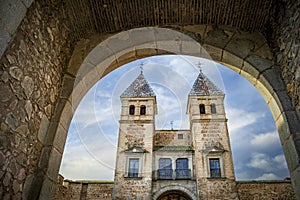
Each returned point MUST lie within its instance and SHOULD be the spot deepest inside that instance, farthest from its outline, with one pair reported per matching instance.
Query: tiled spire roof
(203, 86)
(139, 88)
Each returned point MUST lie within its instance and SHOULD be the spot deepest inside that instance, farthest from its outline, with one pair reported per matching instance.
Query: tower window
(131, 110)
(213, 108)
(214, 167)
(143, 110)
(180, 136)
(202, 108)
(133, 167)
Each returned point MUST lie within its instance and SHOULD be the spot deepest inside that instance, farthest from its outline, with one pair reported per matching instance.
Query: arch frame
(169, 188)
(246, 53)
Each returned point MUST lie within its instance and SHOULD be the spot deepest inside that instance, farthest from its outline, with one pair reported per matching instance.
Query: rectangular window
(214, 166)
(213, 108)
(133, 167)
(180, 136)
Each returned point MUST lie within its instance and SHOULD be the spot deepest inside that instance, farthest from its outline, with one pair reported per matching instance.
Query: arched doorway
(143, 42)
(174, 195)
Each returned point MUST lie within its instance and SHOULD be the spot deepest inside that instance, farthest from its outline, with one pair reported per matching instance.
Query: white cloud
(260, 161)
(268, 176)
(267, 163)
(265, 140)
(89, 156)
(280, 162)
(238, 119)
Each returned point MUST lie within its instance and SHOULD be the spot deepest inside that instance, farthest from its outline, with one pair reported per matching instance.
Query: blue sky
(90, 149)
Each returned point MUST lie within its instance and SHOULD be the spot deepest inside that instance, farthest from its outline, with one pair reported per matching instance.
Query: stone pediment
(213, 148)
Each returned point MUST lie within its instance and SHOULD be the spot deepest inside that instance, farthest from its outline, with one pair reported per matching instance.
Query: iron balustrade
(169, 174)
(165, 174)
(183, 173)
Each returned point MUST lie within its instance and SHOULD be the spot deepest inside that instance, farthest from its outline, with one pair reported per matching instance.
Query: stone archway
(174, 192)
(247, 54)
(174, 195)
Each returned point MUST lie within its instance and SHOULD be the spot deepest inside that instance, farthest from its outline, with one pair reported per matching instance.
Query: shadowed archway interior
(174, 195)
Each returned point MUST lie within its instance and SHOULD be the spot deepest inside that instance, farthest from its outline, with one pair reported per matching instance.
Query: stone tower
(208, 124)
(133, 174)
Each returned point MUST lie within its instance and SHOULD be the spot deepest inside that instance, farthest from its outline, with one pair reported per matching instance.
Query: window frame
(131, 110)
(180, 136)
(202, 109)
(140, 157)
(167, 170)
(221, 167)
(133, 172)
(182, 168)
(142, 110)
(213, 108)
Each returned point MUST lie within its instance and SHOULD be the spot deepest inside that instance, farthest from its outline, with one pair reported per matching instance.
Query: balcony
(165, 174)
(169, 174)
(183, 173)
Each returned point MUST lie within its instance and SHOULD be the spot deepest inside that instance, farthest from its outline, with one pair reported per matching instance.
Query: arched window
(182, 169)
(131, 110)
(213, 108)
(202, 108)
(143, 110)
(165, 168)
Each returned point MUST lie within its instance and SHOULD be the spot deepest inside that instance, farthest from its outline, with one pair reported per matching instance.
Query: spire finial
(141, 67)
(199, 64)
(171, 123)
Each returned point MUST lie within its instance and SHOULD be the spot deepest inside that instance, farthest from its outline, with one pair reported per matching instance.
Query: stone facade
(192, 164)
(246, 190)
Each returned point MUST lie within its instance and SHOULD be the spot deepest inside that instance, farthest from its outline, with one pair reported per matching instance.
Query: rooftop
(139, 88)
(203, 86)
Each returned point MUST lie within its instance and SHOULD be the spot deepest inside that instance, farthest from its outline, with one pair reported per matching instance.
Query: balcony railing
(166, 174)
(183, 174)
(169, 174)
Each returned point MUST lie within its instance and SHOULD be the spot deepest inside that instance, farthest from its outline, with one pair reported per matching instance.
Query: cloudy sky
(90, 149)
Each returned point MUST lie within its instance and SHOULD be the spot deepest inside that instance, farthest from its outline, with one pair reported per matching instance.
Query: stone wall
(95, 190)
(250, 190)
(287, 44)
(247, 190)
(30, 76)
(171, 138)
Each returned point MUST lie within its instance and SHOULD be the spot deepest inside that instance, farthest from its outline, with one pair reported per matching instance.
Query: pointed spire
(203, 86)
(139, 88)
(141, 67)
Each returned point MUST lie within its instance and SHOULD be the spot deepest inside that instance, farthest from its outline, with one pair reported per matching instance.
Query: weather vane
(141, 67)
(199, 66)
